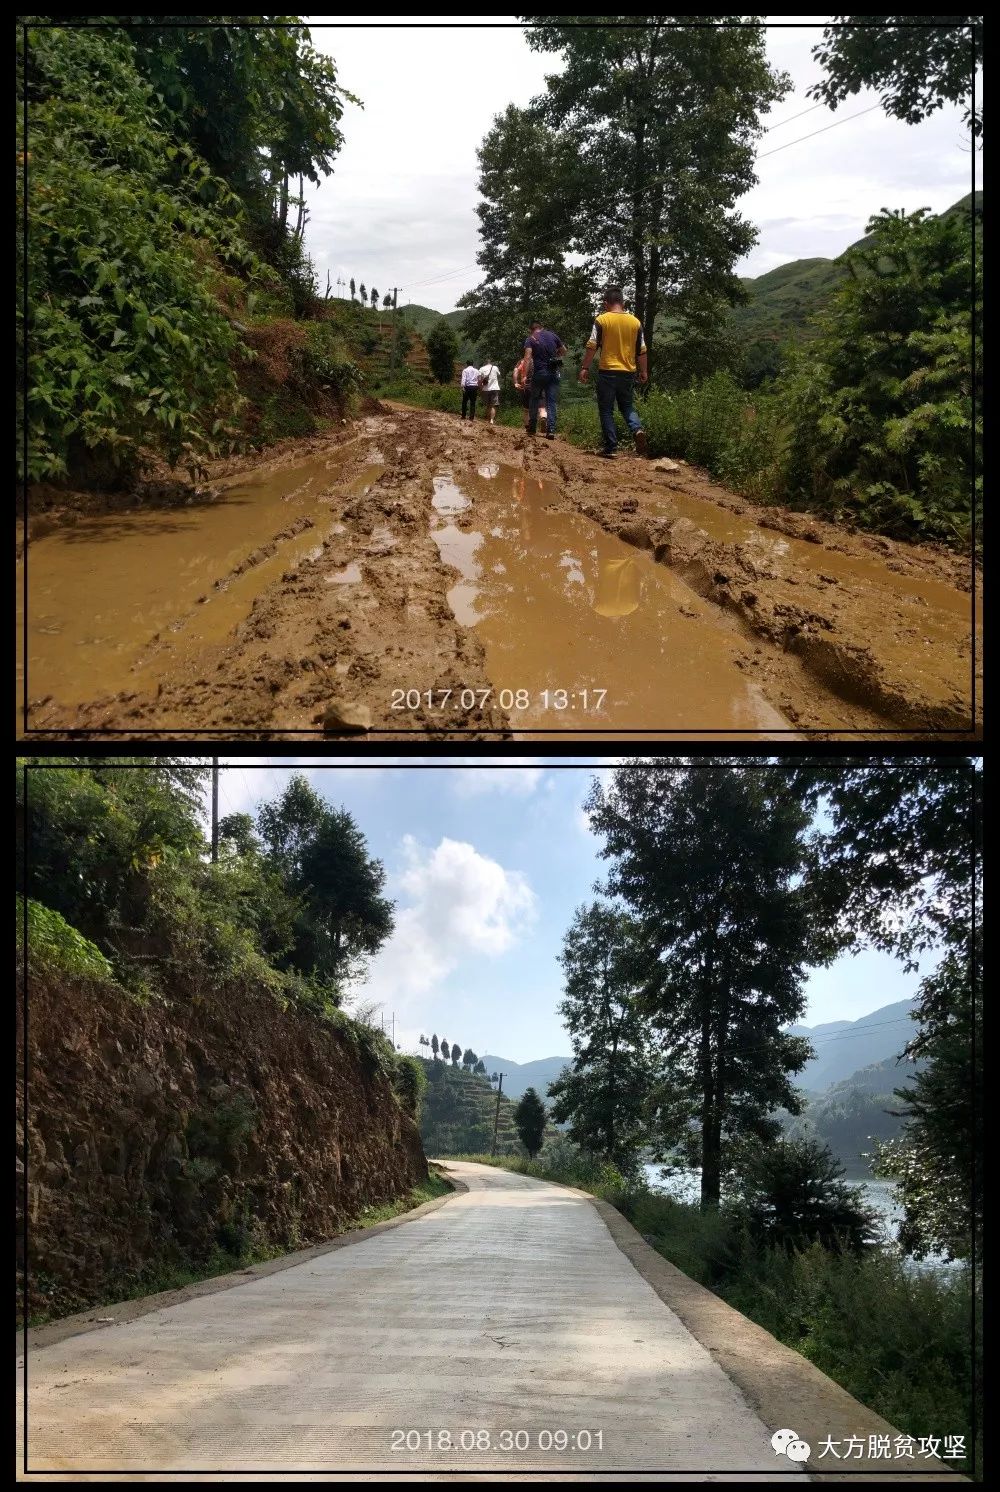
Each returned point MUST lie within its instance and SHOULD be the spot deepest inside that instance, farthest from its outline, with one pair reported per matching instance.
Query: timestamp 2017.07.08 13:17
(511, 700)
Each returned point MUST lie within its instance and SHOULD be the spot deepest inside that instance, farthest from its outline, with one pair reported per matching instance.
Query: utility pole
(215, 809)
(394, 1030)
(392, 344)
(496, 1116)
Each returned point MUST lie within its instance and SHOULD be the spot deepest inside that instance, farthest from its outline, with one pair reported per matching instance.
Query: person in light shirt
(489, 382)
(470, 389)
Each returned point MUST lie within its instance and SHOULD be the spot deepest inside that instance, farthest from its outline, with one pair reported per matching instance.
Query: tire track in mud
(844, 632)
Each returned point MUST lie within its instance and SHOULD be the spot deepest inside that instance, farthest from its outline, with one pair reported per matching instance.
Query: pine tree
(435, 1045)
(529, 1120)
(605, 1093)
(456, 1054)
(353, 287)
(442, 350)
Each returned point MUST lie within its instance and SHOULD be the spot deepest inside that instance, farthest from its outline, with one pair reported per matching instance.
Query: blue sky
(486, 864)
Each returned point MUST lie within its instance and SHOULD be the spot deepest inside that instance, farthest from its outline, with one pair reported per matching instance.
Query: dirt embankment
(159, 1133)
(838, 631)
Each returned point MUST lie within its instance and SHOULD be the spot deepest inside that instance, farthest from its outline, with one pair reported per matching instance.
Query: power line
(419, 284)
(823, 131)
(792, 117)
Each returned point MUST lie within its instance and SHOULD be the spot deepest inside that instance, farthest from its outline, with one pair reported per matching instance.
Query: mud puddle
(581, 631)
(119, 599)
(766, 545)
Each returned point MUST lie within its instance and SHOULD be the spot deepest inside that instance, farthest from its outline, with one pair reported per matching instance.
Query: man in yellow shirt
(618, 337)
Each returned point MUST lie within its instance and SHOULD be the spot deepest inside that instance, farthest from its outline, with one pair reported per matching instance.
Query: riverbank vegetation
(727, 881)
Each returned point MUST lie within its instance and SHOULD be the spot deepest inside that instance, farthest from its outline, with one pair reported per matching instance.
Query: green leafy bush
(895, 1337)
(881, 408)
(52, 942)
(410, 1082)
(132, 242)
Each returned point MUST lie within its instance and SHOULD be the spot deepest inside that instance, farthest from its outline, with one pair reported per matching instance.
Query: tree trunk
(710, 1166)
(300, 221)
(283, 202)
(711, 1162)
(652, 305)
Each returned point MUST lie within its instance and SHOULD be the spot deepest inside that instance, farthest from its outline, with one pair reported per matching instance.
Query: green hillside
(458, 1113)
(852, 1114)
(422, 318)
(781, 304)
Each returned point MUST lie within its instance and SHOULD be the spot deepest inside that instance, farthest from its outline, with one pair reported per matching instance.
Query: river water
(879, 1195)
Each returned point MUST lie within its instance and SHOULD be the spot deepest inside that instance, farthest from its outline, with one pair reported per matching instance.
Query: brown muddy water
(730, 528)
(117, 600)
(584, 631)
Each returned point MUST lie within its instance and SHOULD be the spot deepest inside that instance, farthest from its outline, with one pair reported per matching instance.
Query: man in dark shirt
(543, 353)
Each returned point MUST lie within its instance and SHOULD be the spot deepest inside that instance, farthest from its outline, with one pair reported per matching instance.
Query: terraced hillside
(459, 1110)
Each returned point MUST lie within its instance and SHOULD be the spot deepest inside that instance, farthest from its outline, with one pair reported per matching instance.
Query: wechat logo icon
(787, 1443)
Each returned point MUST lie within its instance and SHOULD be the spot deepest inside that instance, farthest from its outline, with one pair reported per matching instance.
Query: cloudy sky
(486, 864)
(400, 206)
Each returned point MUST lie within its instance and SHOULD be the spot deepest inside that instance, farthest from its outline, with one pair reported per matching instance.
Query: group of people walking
(617, 343)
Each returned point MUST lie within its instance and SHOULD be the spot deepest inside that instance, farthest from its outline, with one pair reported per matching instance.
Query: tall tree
(710, 858)
(435, 1045)
(456, 1054)
(442, 350)
(323, 858)
(352, 287)
(529, 1121)
(374, 298)
(363, 293)
(258, 102)
(604, 1094)
(530, 189)
(665, 118)
(915, 67)
(469, 1058)
(898, 867)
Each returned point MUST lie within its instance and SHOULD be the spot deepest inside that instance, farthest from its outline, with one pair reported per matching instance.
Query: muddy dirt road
(413, 574)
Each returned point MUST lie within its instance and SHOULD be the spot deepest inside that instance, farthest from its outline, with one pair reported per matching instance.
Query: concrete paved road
(509, 1309)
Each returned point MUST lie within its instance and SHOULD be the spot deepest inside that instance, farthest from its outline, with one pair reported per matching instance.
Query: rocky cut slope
(160, 1135)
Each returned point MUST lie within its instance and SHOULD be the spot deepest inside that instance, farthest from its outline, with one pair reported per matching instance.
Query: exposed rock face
(159, 1133)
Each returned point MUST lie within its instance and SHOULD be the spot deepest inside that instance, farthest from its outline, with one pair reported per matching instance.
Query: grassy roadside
(225, 1261)
(895, 1337)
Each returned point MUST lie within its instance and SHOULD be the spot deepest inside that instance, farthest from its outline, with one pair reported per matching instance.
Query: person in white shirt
(489, 382)
(470, 389)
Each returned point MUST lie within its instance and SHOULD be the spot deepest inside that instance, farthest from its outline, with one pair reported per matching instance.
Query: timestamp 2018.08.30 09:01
(512, 700)
(470, 1440)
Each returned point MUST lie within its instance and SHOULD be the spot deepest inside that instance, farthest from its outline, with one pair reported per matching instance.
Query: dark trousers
(612, 389)
(469, 397)
(543, 386)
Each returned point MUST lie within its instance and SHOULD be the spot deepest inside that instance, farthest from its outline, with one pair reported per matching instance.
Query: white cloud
(459, 904)
(519, 781)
